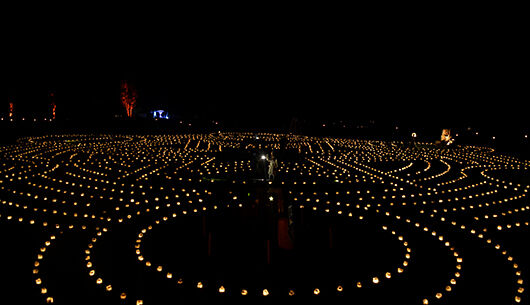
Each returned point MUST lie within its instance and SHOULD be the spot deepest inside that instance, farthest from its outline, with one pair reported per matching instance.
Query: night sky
(461, 77)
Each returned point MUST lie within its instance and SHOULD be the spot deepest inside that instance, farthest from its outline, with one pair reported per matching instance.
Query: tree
(128, 98)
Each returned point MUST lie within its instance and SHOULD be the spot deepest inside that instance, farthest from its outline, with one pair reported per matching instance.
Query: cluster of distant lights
(24, 119)
(414, 135)
(165, 116)
(440, 181)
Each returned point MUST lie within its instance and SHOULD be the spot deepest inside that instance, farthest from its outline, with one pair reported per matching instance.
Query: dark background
(379, 72)
(446, 71)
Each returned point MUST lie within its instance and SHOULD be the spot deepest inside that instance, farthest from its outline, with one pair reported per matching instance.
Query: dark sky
(420, 75)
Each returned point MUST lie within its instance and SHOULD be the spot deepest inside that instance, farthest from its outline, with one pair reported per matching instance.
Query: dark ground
(239, 253)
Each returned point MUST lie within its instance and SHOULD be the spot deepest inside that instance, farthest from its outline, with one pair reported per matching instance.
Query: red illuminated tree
(11, 109)
(128, 98)
(53, 105)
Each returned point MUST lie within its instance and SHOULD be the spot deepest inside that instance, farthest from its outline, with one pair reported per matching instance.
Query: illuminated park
(378, 158)
(255, 217)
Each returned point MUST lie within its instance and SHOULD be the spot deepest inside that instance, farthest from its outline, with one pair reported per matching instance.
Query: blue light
(160, 114)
